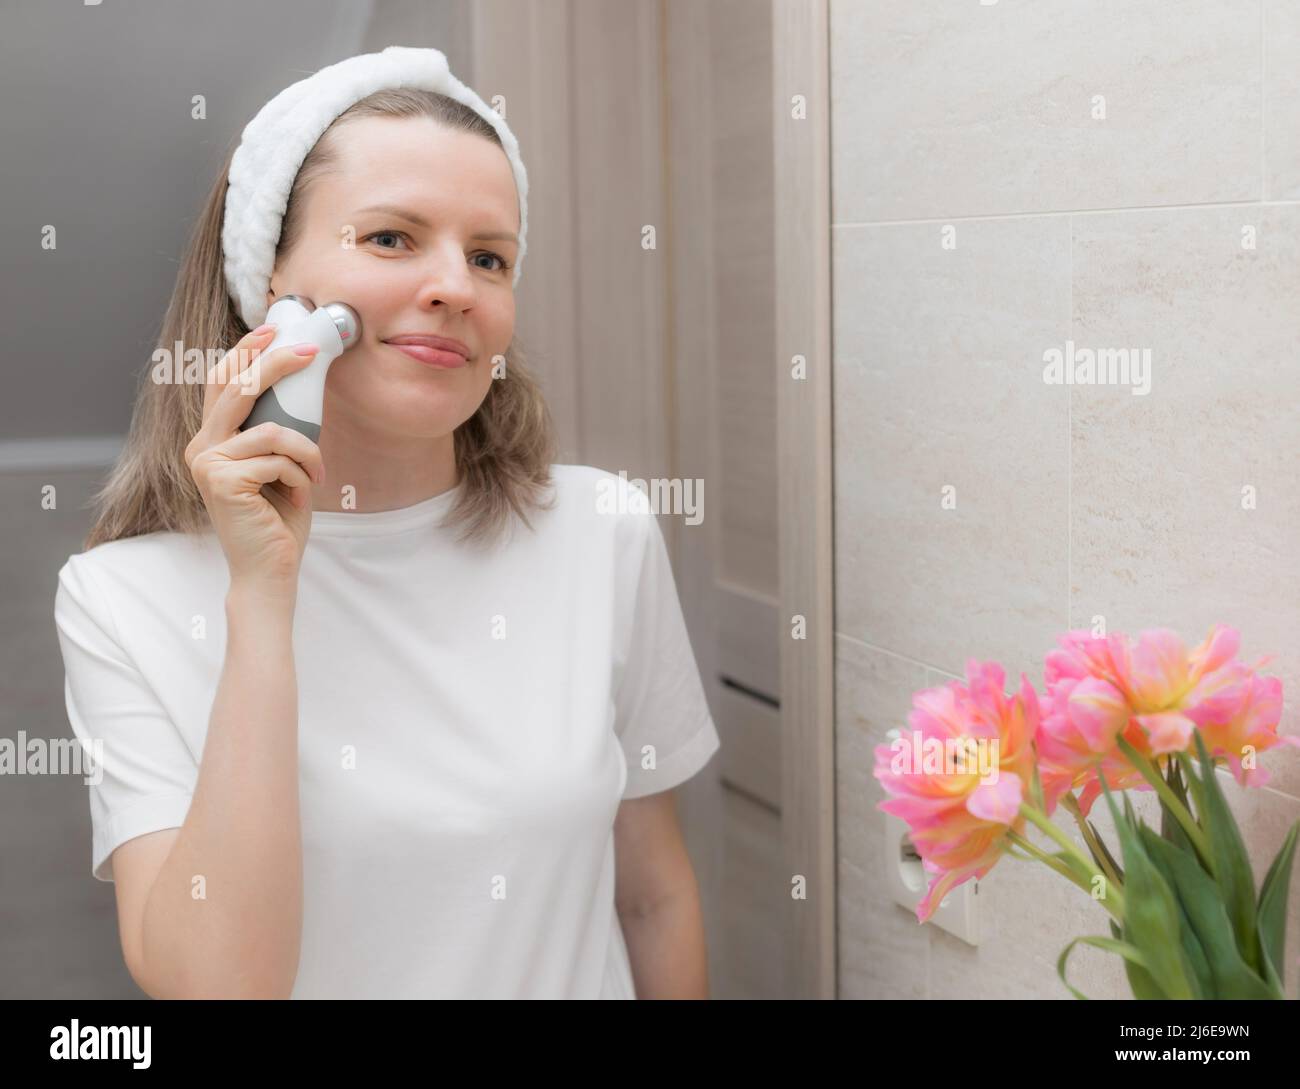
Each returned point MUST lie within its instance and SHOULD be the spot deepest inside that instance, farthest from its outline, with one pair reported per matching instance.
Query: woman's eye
(384, 234)
(501, 261)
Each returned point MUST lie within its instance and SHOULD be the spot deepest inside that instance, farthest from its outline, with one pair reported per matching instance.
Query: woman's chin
(415, 417)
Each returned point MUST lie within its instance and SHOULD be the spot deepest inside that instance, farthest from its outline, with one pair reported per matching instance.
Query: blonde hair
(503, 452)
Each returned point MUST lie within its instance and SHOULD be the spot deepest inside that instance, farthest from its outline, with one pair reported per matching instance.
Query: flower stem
(1080, 860)
(1047, 860)
(1071, 803)
(1170, 800)
(1116, 909)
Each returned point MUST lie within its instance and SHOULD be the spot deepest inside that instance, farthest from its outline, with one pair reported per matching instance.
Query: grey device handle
(297, 400)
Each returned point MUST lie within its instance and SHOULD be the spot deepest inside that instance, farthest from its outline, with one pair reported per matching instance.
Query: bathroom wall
(1114, 174)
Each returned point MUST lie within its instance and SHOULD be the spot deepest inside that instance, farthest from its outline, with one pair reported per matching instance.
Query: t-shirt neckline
(427, 512)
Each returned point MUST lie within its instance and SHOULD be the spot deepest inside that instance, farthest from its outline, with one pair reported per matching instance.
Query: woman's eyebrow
(420, 221)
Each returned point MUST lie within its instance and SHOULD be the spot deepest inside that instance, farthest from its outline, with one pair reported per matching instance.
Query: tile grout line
(1263, 100)
(1125, 210)
(891, 653)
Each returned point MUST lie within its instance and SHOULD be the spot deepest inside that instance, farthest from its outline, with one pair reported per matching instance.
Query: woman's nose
(447, 278)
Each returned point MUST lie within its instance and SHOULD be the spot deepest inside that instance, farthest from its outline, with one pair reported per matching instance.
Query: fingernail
(304, 349)
(262, 330)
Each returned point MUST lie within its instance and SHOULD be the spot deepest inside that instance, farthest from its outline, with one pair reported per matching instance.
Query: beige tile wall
(1072, 502)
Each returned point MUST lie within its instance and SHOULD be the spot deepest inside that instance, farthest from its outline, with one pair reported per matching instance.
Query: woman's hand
(256, 484)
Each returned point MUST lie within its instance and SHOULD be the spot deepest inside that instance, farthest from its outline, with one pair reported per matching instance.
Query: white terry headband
(277, 140)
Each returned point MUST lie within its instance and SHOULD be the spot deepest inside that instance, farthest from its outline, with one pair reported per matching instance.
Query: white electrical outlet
(908, 880)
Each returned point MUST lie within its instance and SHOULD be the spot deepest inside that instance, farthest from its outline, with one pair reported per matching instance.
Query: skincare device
(297, 400)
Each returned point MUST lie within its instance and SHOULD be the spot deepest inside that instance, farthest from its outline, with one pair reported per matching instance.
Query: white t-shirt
(469, 719)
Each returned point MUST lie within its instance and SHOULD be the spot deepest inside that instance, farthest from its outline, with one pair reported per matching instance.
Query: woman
(348, 752)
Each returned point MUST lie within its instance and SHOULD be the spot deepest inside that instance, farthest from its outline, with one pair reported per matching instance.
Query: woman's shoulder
(601, 505)
(572, 477)
(144, 550)
(587, 489)
(152, 562)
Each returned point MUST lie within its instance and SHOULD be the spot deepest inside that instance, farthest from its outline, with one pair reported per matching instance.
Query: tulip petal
(939, 888)
(1167, 731)
(997, 802)
(1159, 669)
(1220, 646)
(1099, 712)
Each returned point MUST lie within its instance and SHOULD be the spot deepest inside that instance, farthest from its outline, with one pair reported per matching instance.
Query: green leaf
(1198, 797)
(1151, 917)
(1170, 829)
(1139, 979)
(1231, 864)
(1271, 978)
(1036, 789)
(1142, 983)
(1271, 915)
(1220, 967)
(1115, 866)
(1188, 937)
(1133, 959)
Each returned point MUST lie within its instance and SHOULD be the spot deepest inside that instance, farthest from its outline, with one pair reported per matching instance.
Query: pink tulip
(958, 820)
(1238, 718)
(1153, 695)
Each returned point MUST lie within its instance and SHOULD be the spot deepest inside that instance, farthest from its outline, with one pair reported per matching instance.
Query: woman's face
(444, 276)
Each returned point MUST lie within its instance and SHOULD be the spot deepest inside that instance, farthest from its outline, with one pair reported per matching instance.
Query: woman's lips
(433, 357)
